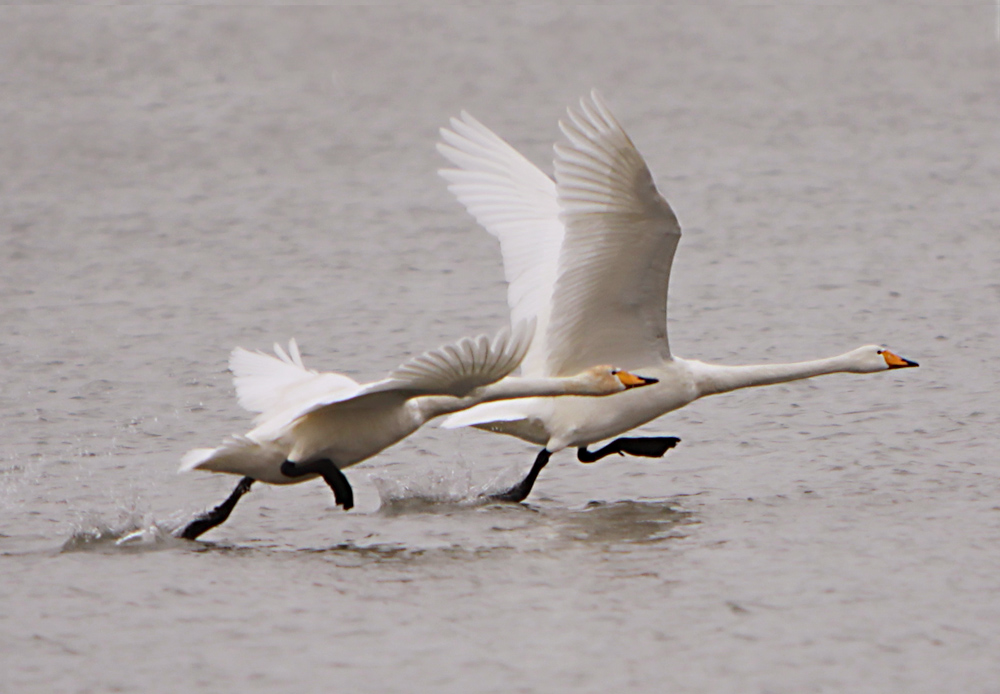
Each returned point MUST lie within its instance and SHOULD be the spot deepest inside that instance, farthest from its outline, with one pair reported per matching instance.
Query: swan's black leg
(331, 474)
(647, 447)
(520, 491)
(217, 515)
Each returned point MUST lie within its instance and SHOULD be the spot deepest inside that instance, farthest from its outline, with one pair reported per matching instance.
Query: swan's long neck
(506, 389)
(717, 378)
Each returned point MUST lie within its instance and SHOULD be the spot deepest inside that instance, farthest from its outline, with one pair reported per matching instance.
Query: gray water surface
(178, 181)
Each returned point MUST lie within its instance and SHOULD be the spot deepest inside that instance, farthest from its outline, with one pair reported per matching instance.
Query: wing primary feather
(618, 248)
(458, 368)
(516, 203)
(293, 351)
(282, 355)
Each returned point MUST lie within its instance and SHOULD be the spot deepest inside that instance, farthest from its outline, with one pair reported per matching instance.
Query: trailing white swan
(588, 257)
(312, 424)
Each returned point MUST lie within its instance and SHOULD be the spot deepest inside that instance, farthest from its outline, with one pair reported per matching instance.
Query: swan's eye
(615, 372)
(880, 351)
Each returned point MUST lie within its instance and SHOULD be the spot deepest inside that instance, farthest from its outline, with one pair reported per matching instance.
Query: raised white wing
(609, 305)
(454, 369)
(268, 384)
(514, 201)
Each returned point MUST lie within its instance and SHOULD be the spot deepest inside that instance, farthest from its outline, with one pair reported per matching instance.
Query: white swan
(593, 248)
(315, 424)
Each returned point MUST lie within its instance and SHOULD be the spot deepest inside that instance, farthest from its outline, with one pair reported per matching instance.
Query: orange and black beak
(895, 361)
(631, 380)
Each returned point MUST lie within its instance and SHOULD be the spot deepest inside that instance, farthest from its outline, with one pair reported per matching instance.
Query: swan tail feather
(238, 455)
(193, 458)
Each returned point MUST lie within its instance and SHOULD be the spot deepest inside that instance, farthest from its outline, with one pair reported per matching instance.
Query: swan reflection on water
(625, 521)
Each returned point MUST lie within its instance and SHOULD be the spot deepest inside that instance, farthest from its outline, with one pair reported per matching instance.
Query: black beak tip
(651, 381)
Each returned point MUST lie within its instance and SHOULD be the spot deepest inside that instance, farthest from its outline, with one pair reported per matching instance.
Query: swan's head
(871, 358)
(606, 380)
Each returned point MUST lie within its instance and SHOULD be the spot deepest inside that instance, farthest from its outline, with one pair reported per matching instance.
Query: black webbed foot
(343, 494)
(646, 447)
(519, 492)
(217, 515)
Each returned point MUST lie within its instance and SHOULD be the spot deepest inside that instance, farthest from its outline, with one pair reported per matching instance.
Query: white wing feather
(513, 200)
(270, 384)
(454, 369)
(499, 411)
(459, 368)
(609, 301)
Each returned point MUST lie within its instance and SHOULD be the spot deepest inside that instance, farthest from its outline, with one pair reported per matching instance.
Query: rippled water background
(178, 181)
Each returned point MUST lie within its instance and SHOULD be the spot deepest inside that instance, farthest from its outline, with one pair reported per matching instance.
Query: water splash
(132, 531)
(449, 487)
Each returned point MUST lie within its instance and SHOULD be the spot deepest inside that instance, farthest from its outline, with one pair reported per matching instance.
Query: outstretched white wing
(454, 369)
(609, 304)
(514, 201)
(457, 369)
(590, 257)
